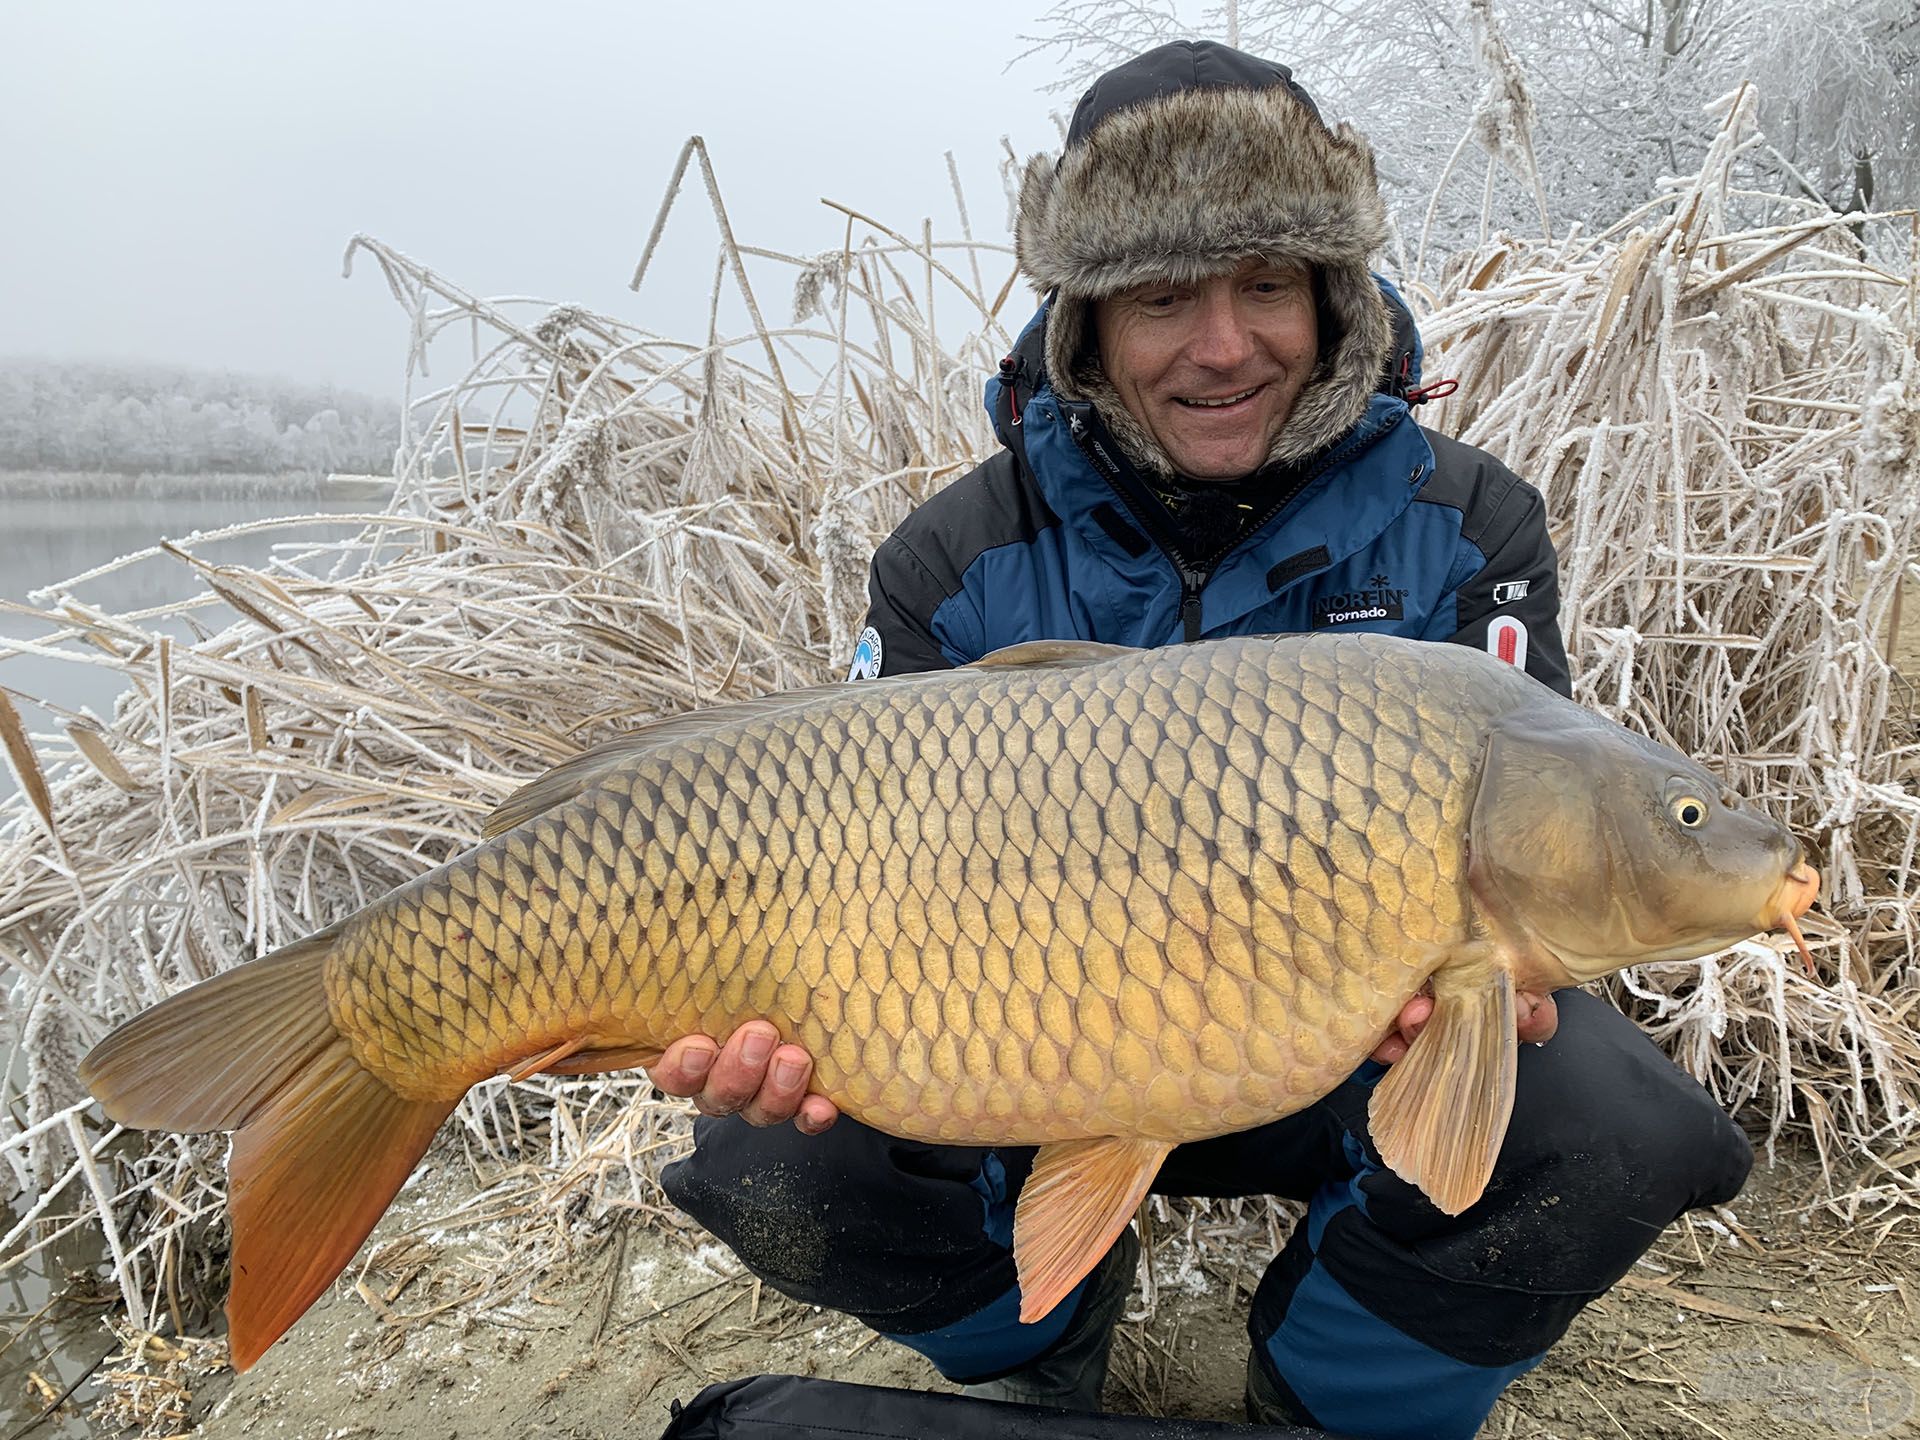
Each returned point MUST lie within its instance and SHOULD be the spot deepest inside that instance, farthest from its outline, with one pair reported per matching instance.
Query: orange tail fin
(322, 1144)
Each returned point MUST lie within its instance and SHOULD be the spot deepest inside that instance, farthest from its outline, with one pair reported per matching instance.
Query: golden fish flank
(1097, 900)
(1105, 904)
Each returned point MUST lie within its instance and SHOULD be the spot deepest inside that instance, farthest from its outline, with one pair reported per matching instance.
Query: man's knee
(764, 1193)
(1605, 1122)
(1608, 1144)
(900, 1235)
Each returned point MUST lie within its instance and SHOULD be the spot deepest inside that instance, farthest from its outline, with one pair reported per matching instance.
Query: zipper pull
(1190, 583)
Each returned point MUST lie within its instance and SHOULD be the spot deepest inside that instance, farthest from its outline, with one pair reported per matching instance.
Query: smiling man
(1210, 370)
(1208, 433)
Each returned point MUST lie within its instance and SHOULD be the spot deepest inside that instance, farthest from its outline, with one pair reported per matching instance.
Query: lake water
(46, 539)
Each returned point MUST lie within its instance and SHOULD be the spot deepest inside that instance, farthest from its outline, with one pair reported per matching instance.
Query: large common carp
(1098, 900)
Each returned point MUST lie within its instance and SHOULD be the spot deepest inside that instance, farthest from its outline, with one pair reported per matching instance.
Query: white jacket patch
(866, 656)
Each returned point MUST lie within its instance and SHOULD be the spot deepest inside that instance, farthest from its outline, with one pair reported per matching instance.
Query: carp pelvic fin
(321, 1144)
(1074, 1205)
(575, 1057)
(1439, 1115)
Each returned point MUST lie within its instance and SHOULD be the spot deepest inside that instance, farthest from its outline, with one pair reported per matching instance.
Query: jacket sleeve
(1510, 604)
(901, 597)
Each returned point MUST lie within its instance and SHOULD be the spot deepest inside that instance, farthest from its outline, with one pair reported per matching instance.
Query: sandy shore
(1767, 1319)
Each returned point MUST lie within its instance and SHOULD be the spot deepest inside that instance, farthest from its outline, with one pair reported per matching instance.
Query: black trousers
(1381, 1316)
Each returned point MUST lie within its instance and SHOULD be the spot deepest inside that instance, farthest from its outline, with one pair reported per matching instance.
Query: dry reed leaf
(25, 765)
(92, 744)
(257, 737)
(1725, 1310)
(1627, 270)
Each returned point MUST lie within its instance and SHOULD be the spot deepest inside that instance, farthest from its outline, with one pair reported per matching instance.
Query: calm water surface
(46, 541)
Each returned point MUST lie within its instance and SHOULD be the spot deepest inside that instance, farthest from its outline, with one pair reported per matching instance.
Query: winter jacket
(1392, 528)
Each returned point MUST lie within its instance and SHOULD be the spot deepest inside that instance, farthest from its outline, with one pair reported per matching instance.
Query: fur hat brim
(1189, 185)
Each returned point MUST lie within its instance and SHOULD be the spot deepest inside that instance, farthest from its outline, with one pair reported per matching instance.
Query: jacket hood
(1180, 165)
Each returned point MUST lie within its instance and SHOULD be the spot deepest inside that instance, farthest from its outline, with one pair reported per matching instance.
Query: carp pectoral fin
(1440, 1113)
(1074, 1205)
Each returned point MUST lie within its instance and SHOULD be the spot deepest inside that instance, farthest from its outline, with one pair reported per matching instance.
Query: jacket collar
(1348, 493)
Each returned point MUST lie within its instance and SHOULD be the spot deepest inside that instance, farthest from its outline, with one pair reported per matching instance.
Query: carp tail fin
(1439, 1115)
(310, 1175)
(210, 1056)
(321, 1144)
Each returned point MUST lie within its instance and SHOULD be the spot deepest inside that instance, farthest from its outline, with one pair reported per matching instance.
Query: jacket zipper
(1193, 579)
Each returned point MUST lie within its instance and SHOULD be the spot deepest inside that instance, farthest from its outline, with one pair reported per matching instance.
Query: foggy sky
(178, 181)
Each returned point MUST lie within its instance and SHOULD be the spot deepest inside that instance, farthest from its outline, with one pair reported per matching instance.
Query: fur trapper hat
(1179, 165)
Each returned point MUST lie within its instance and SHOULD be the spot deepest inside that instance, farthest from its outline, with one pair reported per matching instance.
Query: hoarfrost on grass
(593, 526)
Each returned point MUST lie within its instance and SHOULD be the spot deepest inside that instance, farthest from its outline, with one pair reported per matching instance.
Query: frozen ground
(1765, 1320)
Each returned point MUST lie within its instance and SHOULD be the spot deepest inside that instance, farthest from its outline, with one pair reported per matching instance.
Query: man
(1208, 434)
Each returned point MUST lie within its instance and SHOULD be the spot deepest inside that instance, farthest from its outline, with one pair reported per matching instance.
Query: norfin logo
(1375, 603)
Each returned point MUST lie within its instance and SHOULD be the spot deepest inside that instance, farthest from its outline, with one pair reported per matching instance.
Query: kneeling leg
(1384, 1317)
(913, 1240)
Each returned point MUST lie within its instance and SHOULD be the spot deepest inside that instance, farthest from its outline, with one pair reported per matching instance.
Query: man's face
(1212, 368)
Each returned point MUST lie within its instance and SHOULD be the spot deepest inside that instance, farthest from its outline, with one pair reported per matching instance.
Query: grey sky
(179, 179)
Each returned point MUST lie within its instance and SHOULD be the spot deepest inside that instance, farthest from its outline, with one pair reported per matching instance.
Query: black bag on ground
(791, 1407)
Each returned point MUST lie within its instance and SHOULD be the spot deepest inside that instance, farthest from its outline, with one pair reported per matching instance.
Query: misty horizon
(185, 180)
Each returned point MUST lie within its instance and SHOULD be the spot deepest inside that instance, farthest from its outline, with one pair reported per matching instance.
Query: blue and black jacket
(1392, 529)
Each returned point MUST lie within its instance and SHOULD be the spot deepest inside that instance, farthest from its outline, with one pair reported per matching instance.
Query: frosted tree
(1849, 132)
(1611, 91)
(140, 419)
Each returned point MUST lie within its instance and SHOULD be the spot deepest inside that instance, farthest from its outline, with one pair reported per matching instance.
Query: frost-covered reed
(593, 525)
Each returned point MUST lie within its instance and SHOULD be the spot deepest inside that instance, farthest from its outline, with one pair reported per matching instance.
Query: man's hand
(751, 1075)
(1537, 1017)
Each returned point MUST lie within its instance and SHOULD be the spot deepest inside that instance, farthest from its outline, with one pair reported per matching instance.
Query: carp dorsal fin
(580, 773)
(1074, 1205)
(1441, 1111)
(1054, 654)
(566, 780)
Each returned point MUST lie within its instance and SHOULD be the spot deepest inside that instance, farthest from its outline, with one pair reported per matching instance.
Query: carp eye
(1690, 812)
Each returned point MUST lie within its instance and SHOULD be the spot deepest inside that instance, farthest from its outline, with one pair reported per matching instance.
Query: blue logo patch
(866, 656)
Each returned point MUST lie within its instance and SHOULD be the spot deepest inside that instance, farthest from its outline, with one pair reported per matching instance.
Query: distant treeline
(157, 419)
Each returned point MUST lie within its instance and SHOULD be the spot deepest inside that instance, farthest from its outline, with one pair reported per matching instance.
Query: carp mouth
(1794, 898)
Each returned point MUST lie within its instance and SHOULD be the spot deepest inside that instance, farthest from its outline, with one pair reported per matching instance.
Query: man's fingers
(778, 1099)
(683, 1068)
(1407, 1025)
(739, 1070)
(752, 1075)
(817, 1113)
(1390, 1049)
(1413, 1016)
(1537, 1017)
